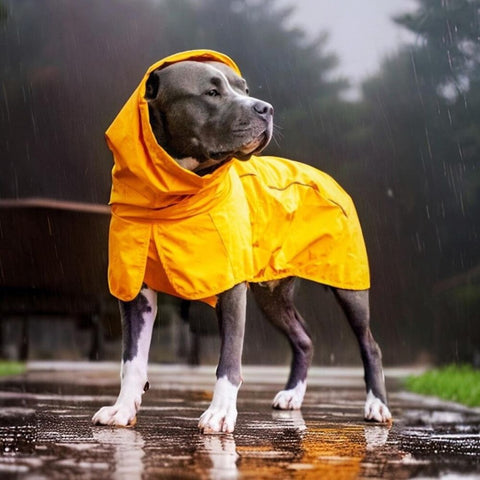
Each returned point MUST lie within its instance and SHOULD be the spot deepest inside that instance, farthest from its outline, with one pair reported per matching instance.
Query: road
(45, 429)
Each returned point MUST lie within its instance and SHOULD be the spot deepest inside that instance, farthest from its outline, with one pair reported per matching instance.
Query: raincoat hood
(195, 237)
(144, 172)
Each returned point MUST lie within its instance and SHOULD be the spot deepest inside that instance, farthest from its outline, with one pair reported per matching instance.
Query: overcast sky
(361, 31)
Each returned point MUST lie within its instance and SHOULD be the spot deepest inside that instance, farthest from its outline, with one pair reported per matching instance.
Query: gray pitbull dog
(202, 131)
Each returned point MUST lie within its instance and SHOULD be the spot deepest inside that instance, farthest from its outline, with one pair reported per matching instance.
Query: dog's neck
(200, 168)
(188, 163)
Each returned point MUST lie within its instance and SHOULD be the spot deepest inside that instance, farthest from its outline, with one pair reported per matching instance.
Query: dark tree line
(407, 151)
(424, 111)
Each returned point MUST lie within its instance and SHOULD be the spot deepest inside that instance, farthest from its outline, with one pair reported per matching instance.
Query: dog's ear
(157, 118)
(152, 86)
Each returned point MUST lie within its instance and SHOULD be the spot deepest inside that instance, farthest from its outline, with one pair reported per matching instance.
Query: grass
(458, 383)
(11, 368)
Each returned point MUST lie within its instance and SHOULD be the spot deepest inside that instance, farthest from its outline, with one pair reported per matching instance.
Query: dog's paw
(119, 415)
(290, 399)
(376, 410)
(218, 420)
(221, 416)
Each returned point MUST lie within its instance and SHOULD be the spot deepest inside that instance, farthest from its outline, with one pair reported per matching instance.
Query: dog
(201, 114)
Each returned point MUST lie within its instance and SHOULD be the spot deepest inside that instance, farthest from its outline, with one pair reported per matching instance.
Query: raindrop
(427, 137)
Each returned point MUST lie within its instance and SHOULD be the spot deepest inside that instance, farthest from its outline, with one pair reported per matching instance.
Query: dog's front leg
(221, 416)
(138, 317)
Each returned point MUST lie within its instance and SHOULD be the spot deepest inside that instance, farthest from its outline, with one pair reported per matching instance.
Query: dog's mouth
(254, 146)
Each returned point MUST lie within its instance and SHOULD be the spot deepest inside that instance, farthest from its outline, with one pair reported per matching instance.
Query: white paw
(218, 420)
(221, 416)
(120, 415)
(376, 410)
(290, 399)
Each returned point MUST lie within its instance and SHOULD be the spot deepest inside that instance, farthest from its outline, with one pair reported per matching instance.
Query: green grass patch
(458, 383)
(11, 368)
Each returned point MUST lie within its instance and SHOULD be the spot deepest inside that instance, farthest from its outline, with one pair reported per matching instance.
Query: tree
(423, 110)
(67, 69)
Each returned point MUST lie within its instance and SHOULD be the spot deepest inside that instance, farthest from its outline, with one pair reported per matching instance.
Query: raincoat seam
(128, 187)
(338, 205)
(223, 242)
(281, 189)
(168, 272)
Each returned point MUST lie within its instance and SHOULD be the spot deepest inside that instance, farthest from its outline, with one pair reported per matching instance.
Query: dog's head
(201, 110)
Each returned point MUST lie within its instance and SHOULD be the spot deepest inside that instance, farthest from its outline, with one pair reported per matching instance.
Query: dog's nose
(263, 108)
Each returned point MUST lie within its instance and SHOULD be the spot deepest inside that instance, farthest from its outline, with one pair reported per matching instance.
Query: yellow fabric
(195, 237)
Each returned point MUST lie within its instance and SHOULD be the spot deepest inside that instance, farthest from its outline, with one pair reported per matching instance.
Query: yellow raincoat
(194, 237)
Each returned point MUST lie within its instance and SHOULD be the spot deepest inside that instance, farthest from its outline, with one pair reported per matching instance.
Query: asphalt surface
(46, 433)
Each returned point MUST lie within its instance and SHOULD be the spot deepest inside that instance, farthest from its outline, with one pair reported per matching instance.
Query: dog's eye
(213, 93)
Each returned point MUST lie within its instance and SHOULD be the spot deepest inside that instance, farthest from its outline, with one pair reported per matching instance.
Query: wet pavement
(45, 429)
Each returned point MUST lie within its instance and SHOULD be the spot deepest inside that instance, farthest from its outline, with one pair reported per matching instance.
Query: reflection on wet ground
(45, 431)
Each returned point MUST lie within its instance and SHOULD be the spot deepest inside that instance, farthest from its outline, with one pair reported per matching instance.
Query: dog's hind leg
(138, 317)
(221, 416)
(275, 299)
(355, 304)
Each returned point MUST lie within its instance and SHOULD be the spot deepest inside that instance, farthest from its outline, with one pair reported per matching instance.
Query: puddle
(49, 435)
(18, 431)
